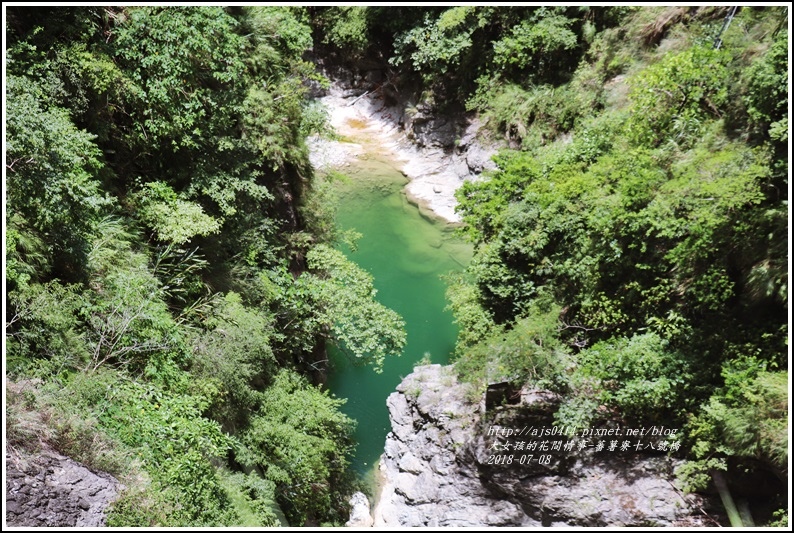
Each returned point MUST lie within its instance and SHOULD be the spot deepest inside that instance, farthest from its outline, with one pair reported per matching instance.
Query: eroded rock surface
(436, 153)
(437, 472)
(51, 490)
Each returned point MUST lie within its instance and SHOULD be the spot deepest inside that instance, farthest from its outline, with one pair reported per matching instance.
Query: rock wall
(426, 482)
(50, 490)
(437, 472)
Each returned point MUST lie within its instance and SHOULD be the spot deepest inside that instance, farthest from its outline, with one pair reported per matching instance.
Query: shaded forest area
(171, 270)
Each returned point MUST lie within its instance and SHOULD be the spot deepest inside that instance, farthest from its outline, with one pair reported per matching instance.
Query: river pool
(407, 252)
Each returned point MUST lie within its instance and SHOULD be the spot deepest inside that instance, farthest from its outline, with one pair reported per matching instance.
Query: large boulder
(359, 511)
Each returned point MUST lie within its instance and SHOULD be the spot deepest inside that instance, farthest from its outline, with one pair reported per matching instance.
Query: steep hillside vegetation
(168, 286)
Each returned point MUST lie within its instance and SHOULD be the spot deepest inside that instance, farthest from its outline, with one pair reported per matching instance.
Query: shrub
(300, 440)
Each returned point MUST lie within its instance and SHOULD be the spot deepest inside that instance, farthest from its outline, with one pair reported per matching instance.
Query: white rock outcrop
(360, 515)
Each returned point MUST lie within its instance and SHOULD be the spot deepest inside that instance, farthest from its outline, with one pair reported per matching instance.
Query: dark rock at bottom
(50, 490)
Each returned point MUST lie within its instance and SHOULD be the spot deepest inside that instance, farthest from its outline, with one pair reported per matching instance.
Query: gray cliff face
(50, 490)
(436, 469)
(426, 484)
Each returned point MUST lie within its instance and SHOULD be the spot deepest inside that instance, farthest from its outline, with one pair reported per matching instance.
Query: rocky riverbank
(435, 153)
(436, 469)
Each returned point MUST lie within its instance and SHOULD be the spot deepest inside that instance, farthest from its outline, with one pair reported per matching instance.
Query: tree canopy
(160, 247)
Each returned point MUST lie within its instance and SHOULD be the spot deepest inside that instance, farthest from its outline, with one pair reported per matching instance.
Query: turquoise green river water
(407, 254)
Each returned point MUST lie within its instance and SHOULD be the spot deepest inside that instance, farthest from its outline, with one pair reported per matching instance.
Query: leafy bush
(346, 27)
(173, 220)
(672, 98)
(281, 35)
(187, 68)
(747, 417)
(345, 298)
(254, 500)
(127, 319)
(436, 47)
(43, 324)
(639, 376)
(766, 97)
(300, 440)
(171, 439)
(534, 117)
(537, 42)
(474, 321)
(527, 351)
(234, 350)
(53, 175)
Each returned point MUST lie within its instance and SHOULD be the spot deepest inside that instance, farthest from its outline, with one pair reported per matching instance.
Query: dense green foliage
(299, 439)
(169, 268)
(660, 230)
(454, 51)
(171, 276)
